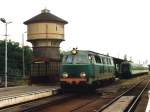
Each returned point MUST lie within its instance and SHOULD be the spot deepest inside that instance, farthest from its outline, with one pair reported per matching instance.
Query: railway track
(87, 104)
(92, 102)
(73, 102)
(133, 91)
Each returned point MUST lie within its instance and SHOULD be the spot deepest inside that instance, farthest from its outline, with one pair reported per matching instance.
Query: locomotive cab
(75, 68)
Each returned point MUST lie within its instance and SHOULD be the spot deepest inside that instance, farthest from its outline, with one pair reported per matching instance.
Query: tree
(14, 63)
(28, 59)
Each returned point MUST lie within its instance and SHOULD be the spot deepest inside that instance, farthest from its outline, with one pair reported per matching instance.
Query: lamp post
(6, 23)
(23, 63)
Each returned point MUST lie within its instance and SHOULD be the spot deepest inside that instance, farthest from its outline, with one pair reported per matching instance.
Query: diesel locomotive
(81, 67)
(129, 69)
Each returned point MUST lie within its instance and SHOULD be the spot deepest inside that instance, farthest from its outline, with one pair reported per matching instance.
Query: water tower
(45, 31)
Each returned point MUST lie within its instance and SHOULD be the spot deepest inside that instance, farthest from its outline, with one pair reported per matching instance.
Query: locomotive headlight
(65, 75)
(82, 74)
(74, 51)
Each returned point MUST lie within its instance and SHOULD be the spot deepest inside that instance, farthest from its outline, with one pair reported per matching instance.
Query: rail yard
(104, 97)
(120, 96)
(79, 81)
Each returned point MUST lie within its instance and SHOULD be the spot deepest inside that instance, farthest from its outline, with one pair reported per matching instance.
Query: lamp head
(3, 20)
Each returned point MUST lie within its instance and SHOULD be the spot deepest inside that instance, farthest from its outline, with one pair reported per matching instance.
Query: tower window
(56, 28)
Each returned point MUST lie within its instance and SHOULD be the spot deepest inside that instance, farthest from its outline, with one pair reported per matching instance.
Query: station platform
(120, 105)
(19, 94)
(148, 104)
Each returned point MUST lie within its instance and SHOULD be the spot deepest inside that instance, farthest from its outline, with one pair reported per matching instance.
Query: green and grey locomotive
(129, 69)
(81, 67)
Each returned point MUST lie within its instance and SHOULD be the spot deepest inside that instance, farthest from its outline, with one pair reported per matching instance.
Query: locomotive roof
(88, 52)
(45, 16)
(92, 52)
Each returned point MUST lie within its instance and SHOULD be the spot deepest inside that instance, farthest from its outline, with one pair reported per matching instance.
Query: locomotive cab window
(75, 59)
(69, 59)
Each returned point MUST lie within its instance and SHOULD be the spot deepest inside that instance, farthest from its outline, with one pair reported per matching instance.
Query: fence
(13, 77)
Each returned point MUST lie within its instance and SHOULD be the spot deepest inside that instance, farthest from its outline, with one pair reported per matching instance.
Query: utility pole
(23, 64)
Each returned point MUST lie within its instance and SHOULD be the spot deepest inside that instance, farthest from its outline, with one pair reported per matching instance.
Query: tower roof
(45, 16)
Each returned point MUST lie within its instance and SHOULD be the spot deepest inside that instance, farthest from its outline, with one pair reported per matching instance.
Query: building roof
(45, 16)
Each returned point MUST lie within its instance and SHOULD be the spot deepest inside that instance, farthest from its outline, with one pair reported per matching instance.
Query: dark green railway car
(80, 67)
(129, 69)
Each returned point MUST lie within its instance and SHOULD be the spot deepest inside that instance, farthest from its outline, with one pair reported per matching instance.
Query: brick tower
(45, 31)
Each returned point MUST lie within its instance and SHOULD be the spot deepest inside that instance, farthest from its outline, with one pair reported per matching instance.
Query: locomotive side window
(90, 58)
(103, 60)
(110, 61)
(100, 60)
(107, 61)
(97, 59)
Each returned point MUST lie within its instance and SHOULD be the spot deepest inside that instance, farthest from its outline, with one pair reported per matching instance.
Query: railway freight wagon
(80, 68)
(129, 69)
(44, 71)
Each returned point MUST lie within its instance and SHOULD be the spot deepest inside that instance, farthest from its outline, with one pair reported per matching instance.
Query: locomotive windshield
(75, 59)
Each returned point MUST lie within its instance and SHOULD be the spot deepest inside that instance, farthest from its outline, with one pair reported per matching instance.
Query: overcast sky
(116, 27)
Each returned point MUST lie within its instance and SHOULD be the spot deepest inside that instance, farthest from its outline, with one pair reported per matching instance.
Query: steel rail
(137, 98)
(81, 106)
(116, 98)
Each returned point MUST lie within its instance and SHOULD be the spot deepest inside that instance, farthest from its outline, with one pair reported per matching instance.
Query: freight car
(80, 67)
(129, 69)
